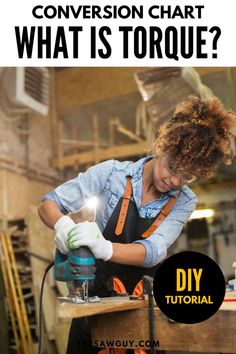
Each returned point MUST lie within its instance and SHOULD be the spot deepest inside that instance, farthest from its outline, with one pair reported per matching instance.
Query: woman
(143, 206)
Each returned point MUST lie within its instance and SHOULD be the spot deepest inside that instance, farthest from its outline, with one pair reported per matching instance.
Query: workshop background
(56, 122)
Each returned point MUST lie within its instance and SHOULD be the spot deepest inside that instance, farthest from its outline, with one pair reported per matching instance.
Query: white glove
(62, 227)
(88, 234)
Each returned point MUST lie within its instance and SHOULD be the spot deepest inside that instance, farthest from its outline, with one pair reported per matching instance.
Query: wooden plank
(53, 113)
(111, 304)
(15, 293)
(3, 199)
(4, 320)
(111, 132)
(214, 335)
(61, 331)
(60, 151)
(121, 129)
(118, 151)
(96, 139)
(77, 143)
(80, 143)
(21, 301)
(10, 305)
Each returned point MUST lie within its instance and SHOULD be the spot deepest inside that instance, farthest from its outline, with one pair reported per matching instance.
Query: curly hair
(198, 137)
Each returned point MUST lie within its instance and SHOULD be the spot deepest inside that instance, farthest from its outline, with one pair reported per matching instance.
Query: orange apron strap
(124, 207)
(160, 217)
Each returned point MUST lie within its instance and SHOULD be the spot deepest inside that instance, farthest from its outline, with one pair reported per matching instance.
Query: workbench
(130, 322)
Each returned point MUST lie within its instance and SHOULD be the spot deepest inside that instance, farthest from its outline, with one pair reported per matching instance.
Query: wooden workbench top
(106, 305)
(111, 304)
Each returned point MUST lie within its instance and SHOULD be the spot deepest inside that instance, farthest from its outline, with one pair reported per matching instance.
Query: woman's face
(163, 178)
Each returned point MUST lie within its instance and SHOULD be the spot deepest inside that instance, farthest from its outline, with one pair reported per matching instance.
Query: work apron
(129, 275)
(133, 229)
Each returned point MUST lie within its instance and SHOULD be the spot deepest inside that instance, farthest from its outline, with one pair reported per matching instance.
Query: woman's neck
(149, 190)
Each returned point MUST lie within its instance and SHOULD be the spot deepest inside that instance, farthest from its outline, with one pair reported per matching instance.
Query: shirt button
(149, 213)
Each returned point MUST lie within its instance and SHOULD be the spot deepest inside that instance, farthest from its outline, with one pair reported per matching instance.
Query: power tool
(77, 268)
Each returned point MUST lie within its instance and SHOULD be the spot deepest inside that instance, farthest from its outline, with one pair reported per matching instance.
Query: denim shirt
(107, 182)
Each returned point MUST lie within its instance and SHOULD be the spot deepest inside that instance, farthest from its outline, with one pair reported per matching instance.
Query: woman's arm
(49, 213)
(132, 254)
(129, 253)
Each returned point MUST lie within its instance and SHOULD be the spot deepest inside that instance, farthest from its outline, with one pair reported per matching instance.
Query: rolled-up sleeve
(73, 194)
(157, 244)
(53, 196)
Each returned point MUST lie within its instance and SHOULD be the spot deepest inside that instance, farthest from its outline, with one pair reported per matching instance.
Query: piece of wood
(3, 318)
(119, 151)
(115, 124)
(10, 305)
(106, 305)
(53, 115)
(3, 199)
(96, 139)
(14, 290)
(112, 304)
(61, 331)
(80, 143)
(60, 151)
(121, 129)
(77, 143)
(49, 346)
(111, 132)
(216, 334)
(21, 341)
(20, 295)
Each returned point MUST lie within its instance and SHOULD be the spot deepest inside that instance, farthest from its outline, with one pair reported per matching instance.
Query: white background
(19, 13)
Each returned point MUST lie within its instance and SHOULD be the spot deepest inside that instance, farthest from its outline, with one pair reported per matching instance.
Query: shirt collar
(135, 170)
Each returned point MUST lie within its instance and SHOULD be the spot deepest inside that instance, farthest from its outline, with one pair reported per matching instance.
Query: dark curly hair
(198, 137)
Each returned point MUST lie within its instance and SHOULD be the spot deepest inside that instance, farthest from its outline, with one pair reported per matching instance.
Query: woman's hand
(88, 234)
